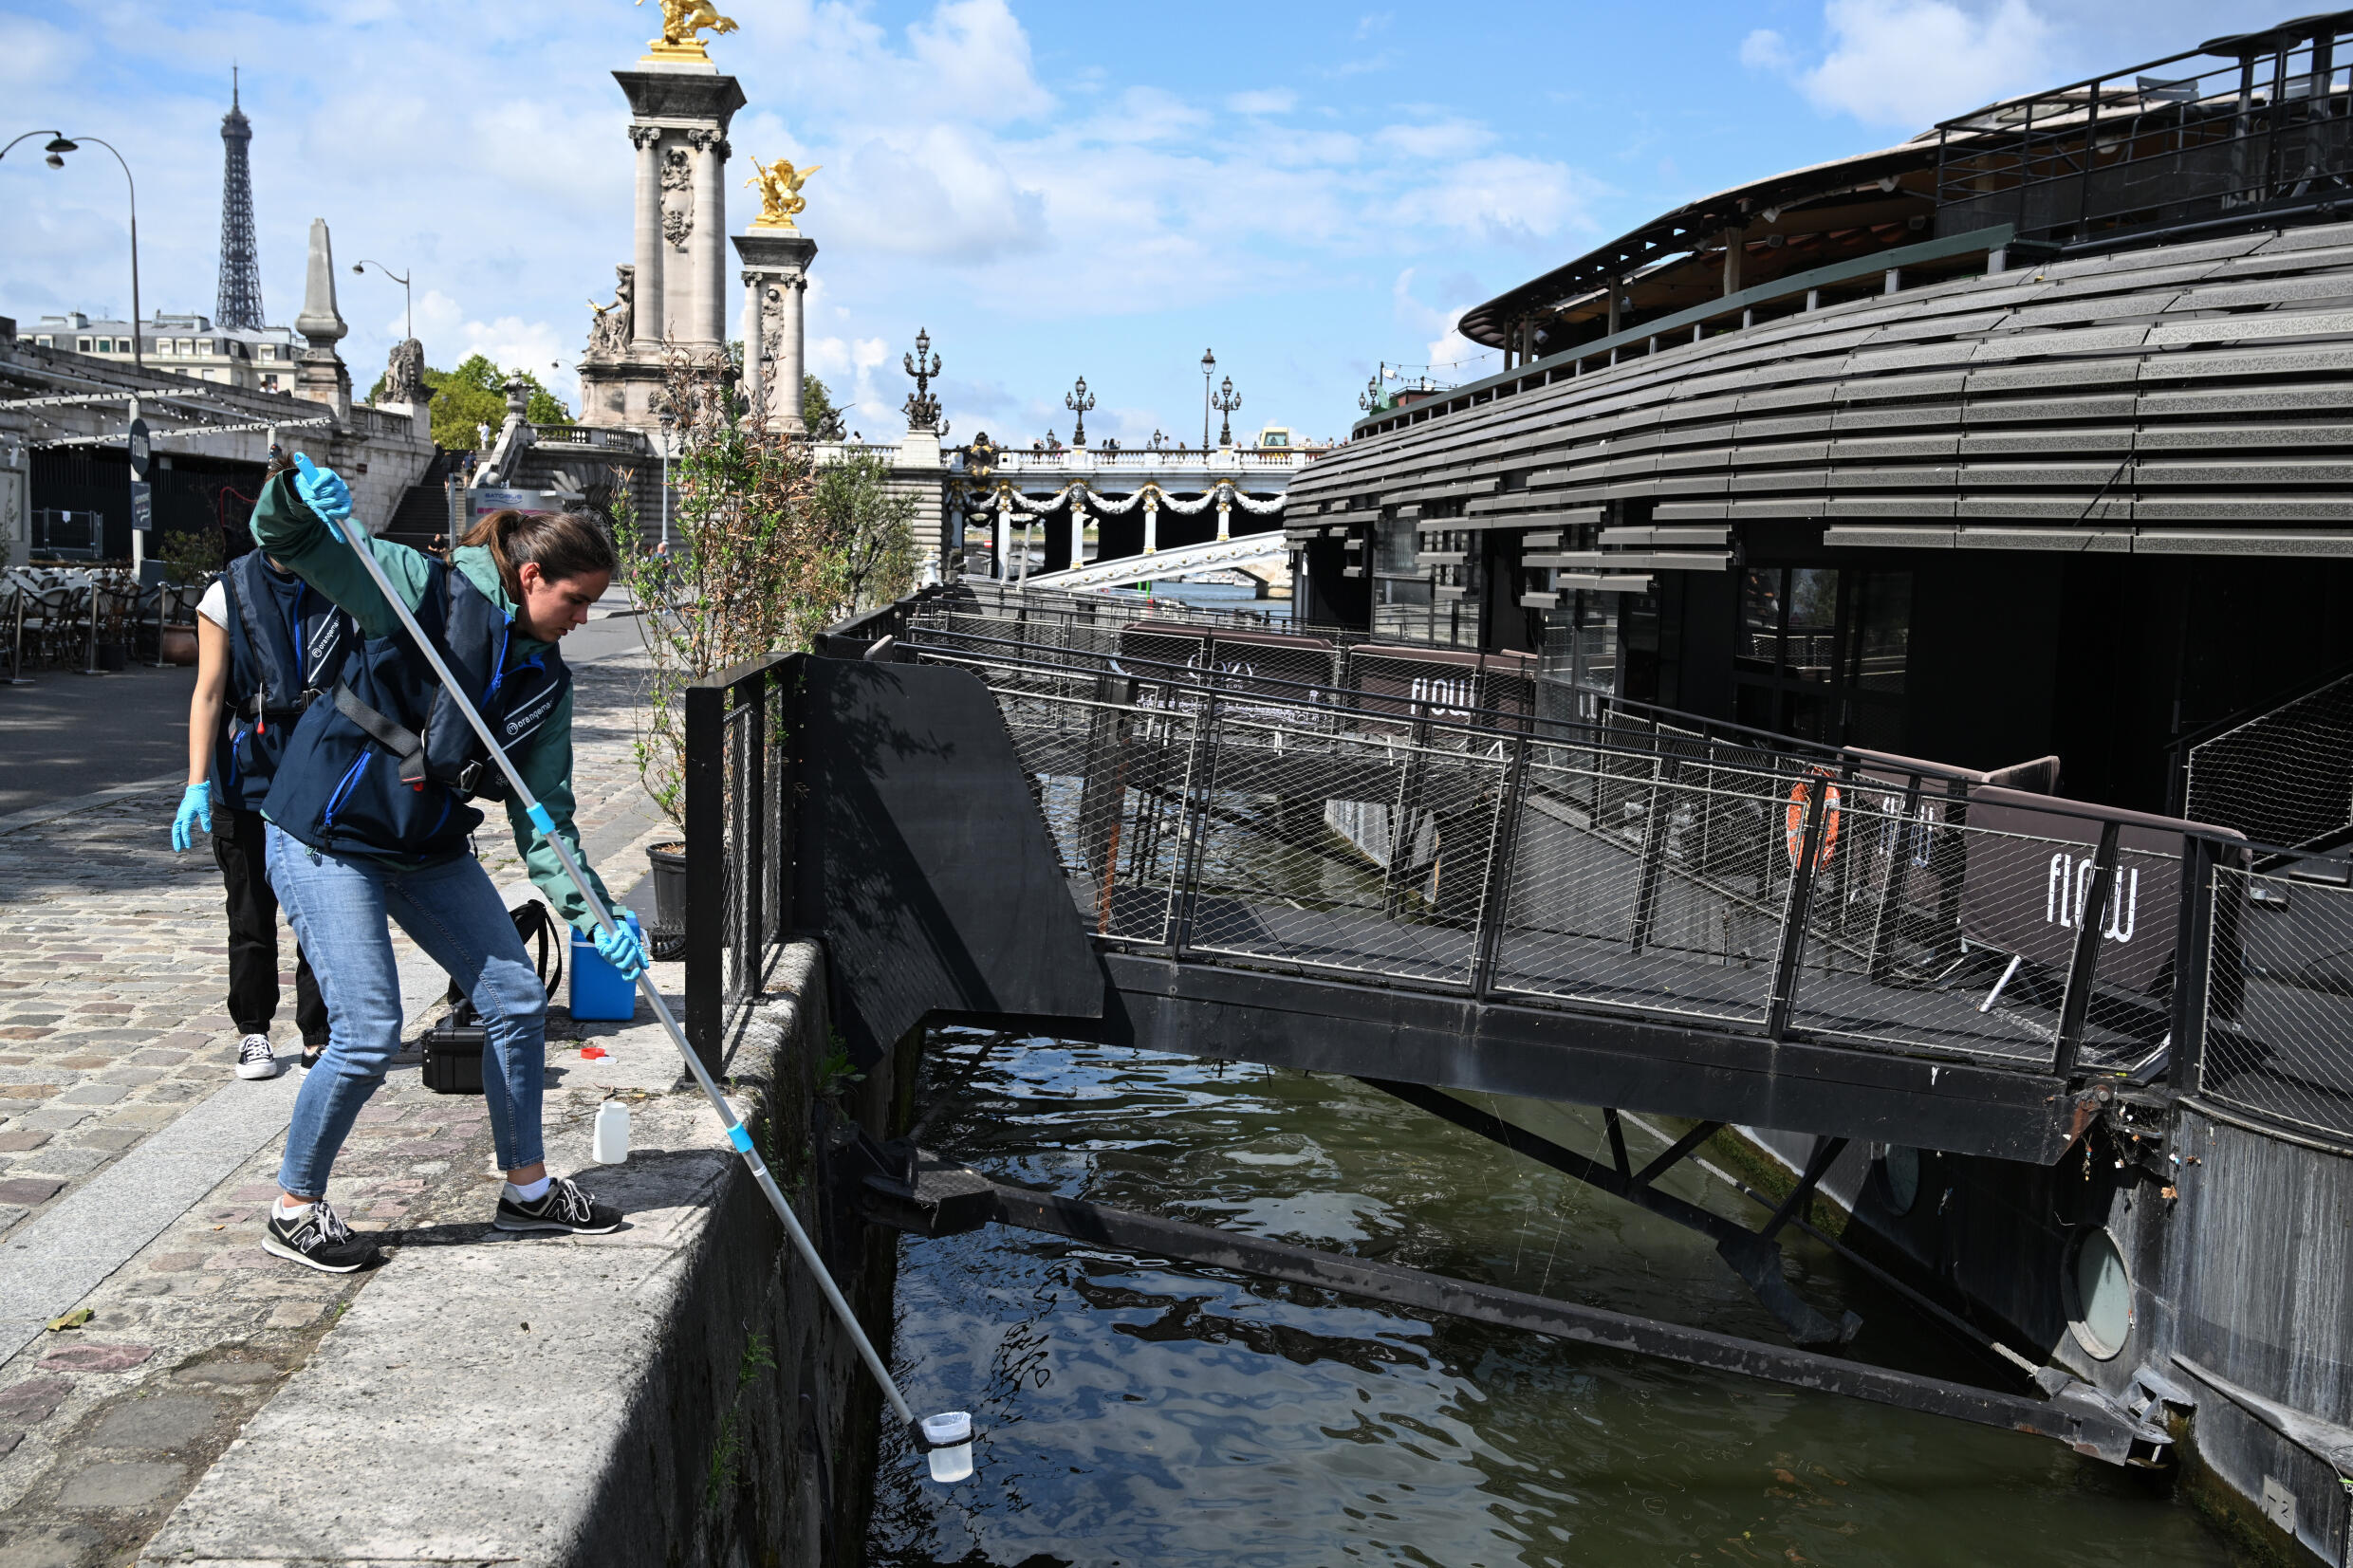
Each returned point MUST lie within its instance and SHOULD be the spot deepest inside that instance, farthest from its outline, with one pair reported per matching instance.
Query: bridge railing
(1589, 864)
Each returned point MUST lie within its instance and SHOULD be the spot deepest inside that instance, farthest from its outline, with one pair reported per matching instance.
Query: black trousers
(239, 845)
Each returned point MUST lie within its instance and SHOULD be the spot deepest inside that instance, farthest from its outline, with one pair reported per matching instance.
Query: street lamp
(1226, 402)
(668, 419)
(410, 304)
(1078, 400)
(59, 145)
(1209, 368)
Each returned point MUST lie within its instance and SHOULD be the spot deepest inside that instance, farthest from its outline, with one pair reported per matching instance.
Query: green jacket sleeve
(294, 537)
(546, 769)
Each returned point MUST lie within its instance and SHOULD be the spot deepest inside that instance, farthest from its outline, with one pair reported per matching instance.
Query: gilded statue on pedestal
(682, 21)
(780, 193)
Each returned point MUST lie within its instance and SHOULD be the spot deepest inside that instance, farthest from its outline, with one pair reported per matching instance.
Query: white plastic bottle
(609, 1145)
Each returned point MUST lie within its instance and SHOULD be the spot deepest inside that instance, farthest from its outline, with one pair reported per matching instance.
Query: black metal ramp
(1633, 1063)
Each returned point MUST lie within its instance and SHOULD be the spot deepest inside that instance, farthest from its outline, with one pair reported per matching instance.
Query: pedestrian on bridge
(265, 647)
(369, 820)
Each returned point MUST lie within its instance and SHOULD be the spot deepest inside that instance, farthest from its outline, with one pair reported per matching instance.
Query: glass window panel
(1395, 548)
(1806, 712)
(1884, 631)
(1811, 650)
(1758, 644)
(1401, 609)
(1597, 641)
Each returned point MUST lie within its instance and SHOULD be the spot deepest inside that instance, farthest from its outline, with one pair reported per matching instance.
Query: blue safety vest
(286, 644)
(385, 763)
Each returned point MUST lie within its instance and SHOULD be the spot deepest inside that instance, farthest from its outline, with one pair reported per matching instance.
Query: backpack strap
(404, 744)
(538, 928)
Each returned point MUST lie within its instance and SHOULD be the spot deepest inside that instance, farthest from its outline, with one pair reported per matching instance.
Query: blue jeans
(337, 908)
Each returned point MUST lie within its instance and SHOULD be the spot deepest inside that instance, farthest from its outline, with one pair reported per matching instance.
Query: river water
(1162, 1416)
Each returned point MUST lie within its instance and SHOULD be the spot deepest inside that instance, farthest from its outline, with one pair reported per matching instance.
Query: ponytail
(564, 545)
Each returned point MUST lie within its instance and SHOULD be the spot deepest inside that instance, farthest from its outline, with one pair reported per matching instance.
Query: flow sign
(142, 506)
(140, 452)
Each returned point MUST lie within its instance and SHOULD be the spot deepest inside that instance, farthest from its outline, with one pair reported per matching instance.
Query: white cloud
(1508, 199)
(1266, 100)
(1904, 64)
(1447, 139)
(509, 342)
(1766, 51)
(1452, 357)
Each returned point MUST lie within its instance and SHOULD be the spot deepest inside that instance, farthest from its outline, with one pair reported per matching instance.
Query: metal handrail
(759, 871)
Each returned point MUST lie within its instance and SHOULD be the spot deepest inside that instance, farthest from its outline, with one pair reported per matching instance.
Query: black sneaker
(318, 1240)
(311, 1054)
(563, 1208)
(254, 1059)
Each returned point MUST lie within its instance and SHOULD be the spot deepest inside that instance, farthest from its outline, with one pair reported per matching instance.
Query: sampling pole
(736, 1133)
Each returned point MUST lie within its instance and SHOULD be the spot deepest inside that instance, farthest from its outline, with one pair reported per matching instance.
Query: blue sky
(1052, 189)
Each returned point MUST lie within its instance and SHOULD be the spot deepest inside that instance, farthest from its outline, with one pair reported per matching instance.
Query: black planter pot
(668, 936)
(112, 658)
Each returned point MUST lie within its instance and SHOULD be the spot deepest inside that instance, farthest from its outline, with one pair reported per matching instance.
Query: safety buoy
(1793, 823)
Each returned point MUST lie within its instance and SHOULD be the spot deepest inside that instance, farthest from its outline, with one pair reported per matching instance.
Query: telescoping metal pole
(736, 1133)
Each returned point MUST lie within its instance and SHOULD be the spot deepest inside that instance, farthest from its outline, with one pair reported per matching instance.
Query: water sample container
(609, 1144)
(599, 992)
(950, 1436)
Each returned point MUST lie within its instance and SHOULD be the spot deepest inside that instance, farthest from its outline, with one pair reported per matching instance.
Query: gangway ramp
(1162, 565)
(1363, 881)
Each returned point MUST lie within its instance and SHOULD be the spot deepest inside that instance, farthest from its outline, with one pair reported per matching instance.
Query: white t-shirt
(213, 607)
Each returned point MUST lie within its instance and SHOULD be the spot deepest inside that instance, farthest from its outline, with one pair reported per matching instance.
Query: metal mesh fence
(1641, 881)
(2284, 777)
(1235, 807)
(738, 790)
(2279, 1002)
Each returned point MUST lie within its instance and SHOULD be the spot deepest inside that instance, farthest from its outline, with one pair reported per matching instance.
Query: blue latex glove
(323, 491)
(196, 810)
(621, 947)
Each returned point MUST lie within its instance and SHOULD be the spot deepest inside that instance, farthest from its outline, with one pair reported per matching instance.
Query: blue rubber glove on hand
(196, 810)
(323, 491)
(621, 947)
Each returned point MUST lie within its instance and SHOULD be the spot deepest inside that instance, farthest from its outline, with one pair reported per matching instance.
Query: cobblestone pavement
(114, 969)
(112, 976)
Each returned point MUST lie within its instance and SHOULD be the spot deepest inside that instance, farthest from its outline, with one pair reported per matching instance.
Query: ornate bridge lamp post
(1225, 403)
(923, 408)
(1079, 400)
(1209, 368)
(1369, 399)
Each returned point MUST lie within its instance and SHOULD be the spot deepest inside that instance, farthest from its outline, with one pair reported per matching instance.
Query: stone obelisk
(680, 106)
(776, 257)
(320, 374)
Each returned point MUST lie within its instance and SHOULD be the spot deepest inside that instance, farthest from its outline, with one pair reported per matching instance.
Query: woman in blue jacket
(369, 820)
(266, 649)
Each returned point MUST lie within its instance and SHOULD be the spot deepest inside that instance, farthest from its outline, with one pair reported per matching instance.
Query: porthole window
(1899, 1173)
(2100, 1294)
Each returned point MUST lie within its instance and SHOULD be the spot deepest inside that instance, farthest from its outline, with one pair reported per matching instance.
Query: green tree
(868, 529)
(476, 393)
(819, 412)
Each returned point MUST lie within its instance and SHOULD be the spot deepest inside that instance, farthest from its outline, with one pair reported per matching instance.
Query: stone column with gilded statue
(776, 257)
(675, 294)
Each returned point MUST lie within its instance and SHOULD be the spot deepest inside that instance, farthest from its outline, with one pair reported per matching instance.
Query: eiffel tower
(240, 303)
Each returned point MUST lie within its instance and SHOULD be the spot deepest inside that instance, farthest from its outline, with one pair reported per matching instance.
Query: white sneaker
(254, 1057)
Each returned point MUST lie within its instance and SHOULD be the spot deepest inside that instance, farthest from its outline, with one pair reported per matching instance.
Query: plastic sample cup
(950, 1436)
(609, 1143)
